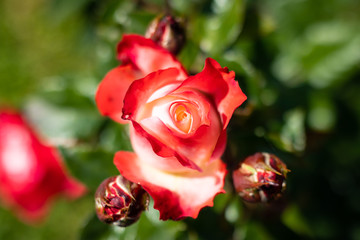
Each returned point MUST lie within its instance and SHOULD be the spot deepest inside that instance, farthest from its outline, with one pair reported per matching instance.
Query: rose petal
(139, 137)
(220, 85)
(203, 106)
(194, 151)
(220, 145)
(175, 195)
(140, 91)
(234, 98)
(111, 91)
(146, 55)
(190, 149)
(132, 50)
(195, 104)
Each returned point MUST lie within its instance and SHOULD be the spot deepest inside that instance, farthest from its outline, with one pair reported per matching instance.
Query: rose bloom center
(182, 119)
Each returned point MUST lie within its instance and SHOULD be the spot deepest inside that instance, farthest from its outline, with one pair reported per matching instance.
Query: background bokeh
(297, 61)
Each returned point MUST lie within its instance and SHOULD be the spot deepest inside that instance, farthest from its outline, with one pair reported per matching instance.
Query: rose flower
(178, 129)
(31, 172)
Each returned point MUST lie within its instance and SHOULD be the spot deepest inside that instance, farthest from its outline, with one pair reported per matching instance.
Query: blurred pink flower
(31, 172)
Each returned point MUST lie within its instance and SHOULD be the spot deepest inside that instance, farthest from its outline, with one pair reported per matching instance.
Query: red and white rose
(178, 130)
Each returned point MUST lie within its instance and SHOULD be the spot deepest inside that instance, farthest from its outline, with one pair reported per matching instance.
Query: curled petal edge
(112, 89)
(220, 84)
(179, 195)
(133, 49)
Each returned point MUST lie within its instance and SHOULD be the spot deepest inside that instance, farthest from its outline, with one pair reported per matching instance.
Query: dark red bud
(119, 201)
(260, 178)
(167, 32)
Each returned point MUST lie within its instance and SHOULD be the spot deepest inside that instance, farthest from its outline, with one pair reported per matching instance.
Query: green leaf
(292, 136)
(188, 54)
(149, 227)
(234, 211)
(59, 122)
(115, 137)
(223, 27)
(90, 166)
(94, 229)
(254, 230)
(63, 9)
(325, 55)
(236, 61)
(322, 116)
(138, 22)
(294, 220)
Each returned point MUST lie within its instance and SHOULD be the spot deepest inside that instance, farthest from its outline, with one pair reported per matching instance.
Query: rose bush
(31, 172)
(178, 129)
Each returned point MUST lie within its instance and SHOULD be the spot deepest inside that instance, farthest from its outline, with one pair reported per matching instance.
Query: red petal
(31, 173)
(146, 152)
(146, 55)
(161, 149)
(175, 195)
(141, 90)
(111, 91)
(221, 85)
(220, 145)
(140, 56)
(191, 150)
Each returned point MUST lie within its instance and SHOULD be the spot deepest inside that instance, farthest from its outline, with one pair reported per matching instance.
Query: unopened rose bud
(260, 178)
(168, 32)
(119, 201)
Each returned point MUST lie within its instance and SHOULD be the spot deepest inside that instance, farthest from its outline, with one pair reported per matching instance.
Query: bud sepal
(120, 202)
(260, 178)
(167, 32)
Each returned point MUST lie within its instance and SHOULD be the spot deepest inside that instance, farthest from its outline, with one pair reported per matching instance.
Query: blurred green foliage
(297, 61)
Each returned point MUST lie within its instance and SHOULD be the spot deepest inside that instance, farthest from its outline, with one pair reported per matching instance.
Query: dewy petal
(146, 55)
(111, 91)
(31, 173)
(175, 195)
(220, 84)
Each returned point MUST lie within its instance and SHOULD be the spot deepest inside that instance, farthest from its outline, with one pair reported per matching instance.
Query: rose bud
(260, 178)
(168, 32)
(119, 201)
